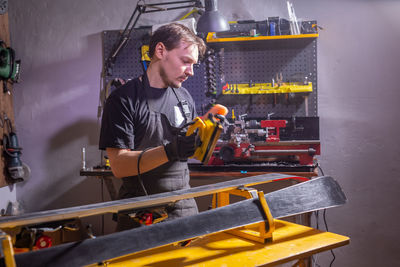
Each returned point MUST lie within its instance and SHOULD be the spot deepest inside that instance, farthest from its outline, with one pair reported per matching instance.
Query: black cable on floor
(325, 221)
(326, 227)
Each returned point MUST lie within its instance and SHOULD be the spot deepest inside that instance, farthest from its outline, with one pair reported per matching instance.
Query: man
(143, 119)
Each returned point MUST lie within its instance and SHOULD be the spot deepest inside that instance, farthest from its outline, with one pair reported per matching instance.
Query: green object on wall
(9, 67)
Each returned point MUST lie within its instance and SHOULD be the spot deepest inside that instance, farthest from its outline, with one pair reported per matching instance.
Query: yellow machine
(209, 129)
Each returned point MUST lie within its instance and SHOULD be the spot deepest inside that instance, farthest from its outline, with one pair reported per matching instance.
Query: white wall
(358, 63)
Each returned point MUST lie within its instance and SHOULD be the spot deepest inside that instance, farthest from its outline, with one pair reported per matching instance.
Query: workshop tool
(145, 56)
(279, 79)
(320, 193)
(272, 26)
(258, 141)
(9, 67)
(294, 25)
(209, 129)
(16, 169)
(149, 216)
(272, 126)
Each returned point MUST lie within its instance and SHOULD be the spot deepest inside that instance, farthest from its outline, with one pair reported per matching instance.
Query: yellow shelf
(212, 39)
(265, 88)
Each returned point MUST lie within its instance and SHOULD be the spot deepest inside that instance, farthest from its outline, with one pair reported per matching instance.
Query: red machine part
(273, 129)
(145, 218)
(303, 152)
(43, 241)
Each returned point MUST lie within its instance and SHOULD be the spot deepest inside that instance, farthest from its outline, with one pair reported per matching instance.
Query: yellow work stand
(290, 242)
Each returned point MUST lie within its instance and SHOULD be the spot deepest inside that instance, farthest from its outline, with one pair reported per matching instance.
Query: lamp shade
(212, 20)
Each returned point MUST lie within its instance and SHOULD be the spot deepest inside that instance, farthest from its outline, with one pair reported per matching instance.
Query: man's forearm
(124, 162)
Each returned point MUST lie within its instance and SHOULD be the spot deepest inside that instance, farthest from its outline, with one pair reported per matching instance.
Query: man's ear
(160, 50)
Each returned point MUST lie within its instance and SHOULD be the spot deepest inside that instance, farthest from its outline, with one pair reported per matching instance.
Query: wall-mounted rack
(211, 38)
(265, 88)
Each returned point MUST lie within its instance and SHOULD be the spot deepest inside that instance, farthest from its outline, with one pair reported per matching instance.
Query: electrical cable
(325, 221)
(138, 170)
(326, 227)
(319, 167)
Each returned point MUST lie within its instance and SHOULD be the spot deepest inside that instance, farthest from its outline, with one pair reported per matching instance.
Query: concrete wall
(358, 62)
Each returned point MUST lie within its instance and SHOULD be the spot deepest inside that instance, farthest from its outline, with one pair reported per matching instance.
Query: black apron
(167, 177)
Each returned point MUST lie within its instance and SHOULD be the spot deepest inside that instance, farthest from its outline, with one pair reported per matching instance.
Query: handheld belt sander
(209, 129)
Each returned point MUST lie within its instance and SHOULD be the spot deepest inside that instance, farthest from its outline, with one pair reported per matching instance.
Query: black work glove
(181, 147)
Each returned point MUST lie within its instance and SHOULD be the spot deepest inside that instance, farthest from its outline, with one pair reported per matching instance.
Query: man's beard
(165, 79)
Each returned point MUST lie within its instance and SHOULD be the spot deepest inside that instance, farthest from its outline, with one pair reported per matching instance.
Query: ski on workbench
(137, 202)
(320, 193)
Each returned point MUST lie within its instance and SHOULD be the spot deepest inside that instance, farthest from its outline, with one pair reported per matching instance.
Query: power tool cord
(325, 223)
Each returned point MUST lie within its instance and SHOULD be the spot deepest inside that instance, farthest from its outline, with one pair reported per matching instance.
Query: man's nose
(189, 70)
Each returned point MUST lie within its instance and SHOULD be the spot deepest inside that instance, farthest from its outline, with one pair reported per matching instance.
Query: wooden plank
(135, 203)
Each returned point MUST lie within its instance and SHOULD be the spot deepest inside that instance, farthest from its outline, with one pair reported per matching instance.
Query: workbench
(291, 242)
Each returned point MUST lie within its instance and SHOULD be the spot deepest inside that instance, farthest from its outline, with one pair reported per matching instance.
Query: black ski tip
(316, 194)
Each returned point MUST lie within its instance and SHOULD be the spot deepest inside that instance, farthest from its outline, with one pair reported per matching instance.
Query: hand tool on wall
(145, 56)
(294, 25)
(3, 6)
(9, 67)
(16, 169)
(279, 79)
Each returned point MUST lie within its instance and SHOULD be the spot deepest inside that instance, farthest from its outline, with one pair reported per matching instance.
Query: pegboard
(236, 62)
(127, 64)
(259, 62)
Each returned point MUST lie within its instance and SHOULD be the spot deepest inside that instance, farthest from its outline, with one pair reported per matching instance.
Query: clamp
(260, 232)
